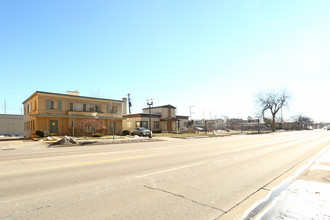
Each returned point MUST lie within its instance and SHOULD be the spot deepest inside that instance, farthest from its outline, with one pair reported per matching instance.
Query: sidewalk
(308, 197)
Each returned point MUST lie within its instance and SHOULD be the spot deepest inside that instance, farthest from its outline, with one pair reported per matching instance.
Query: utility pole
(5, 106)
(129, 103)
(190, 110)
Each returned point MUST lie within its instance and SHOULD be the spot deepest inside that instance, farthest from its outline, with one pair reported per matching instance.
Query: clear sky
(214, 55)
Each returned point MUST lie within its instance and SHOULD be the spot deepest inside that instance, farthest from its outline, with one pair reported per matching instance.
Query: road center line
(72, 165)
(218, 161)
(169, 170)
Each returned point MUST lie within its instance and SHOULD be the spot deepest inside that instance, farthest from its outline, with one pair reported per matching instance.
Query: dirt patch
(322, 176)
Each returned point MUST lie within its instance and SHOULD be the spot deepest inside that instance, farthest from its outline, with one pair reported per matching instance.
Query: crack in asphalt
(183, 197)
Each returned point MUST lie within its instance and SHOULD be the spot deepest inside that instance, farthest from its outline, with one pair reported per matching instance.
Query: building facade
(209, 124)
(11, 124)
(72, 114)
(163, 119)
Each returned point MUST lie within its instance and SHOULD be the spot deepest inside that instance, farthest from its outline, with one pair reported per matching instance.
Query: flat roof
(163, 106)
(142, 115)
(75, 96)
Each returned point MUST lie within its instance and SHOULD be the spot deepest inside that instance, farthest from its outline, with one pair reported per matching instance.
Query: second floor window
(79, 107)
(52, 105)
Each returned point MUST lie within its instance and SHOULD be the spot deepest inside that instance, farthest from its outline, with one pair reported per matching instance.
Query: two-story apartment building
(163, 119)
(72, 114)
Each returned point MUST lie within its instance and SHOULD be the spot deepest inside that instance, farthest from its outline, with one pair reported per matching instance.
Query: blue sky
(214, 55)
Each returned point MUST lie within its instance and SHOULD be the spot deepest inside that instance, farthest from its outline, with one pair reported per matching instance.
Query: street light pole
(258, 116)
(150, 102)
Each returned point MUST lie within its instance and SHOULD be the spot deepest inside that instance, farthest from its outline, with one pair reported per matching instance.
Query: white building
(11, 124)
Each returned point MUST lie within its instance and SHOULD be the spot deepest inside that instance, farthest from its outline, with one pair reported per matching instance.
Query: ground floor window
(143, 124)
(156, 125)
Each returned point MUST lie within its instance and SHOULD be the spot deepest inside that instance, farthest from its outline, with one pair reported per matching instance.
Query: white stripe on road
(218, 161)
(164, 171)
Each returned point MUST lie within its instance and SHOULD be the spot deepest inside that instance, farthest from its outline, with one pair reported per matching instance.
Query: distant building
(209, 124)
(11, 124)
(163, 119)
(65, 114)
(244, 125)
(234, 124)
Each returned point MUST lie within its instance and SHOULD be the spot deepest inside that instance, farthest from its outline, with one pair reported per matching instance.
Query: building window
(143, 124)
(91, 108)
(79, 107)
(97, 108)
(52, 105)
(156, 125)
(85, 107)
(34, 105)
(71, 106)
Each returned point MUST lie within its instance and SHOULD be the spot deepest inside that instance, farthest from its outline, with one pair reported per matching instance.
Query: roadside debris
(66, 140)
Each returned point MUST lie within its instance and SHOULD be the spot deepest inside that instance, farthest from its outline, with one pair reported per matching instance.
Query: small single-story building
(11, 124)
(209, 124)
(163, 119)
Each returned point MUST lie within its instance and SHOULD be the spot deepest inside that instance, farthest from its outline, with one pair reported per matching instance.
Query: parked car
(141, 131)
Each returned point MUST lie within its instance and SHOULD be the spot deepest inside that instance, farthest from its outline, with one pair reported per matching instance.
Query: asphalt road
(201, 178)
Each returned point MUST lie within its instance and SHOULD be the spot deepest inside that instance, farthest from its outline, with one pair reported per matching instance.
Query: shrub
(97, 135)
(126, 132)
(41, 133)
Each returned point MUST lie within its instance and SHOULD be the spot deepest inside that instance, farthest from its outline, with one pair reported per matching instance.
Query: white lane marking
(164, 171)
(218, 161)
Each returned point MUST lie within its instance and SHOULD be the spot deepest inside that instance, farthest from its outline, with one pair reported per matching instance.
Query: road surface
(200, 178)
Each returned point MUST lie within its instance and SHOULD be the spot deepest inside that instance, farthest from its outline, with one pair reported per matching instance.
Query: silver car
(141, 131)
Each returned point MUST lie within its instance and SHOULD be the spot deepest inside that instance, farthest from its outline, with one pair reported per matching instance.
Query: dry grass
(189, 135)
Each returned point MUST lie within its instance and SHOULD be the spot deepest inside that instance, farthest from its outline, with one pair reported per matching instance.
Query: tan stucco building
(163, 119)
(67, 114)
(11, 124)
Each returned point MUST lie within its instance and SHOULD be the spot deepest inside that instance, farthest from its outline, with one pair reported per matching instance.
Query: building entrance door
(53, 130)
(169, 127)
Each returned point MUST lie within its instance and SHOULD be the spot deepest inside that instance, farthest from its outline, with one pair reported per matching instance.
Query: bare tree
(274, 102)
(93, 125)
(303, 122)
